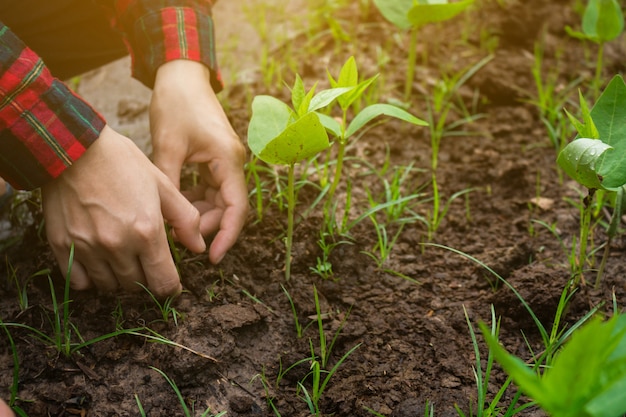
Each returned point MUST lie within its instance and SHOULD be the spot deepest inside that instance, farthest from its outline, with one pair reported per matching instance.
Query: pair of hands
(112, 202)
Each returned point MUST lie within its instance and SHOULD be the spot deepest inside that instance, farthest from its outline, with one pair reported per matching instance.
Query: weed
(188, 412)
(164, 307)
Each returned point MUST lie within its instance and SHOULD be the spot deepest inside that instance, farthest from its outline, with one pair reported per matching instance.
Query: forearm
(44, 127)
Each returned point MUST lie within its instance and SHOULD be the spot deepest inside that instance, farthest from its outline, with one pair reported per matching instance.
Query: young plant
(597, 158)
(188, 412)
(343, 131)
(413, 15)
(164, 307)
(586, 378)
(603, 21)
(280, 135)
(320, 377)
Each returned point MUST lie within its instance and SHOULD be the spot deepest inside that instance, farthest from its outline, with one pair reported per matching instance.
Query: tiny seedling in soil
(596, 159)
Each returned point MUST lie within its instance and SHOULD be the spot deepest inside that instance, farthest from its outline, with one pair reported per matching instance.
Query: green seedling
(587, 377)
(413, 15)
(596, 159)
(280, 135)
(320, 377)
(343, 131)
(188, 412)
(603, 21)
(164, 307)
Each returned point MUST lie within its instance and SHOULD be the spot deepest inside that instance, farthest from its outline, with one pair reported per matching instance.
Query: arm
(173, 52)
(102, 196)
(44, 127)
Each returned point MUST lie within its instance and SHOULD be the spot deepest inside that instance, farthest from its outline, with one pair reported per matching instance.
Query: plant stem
(584, 236)
(338, 169)
(291, 203)
(412, 60)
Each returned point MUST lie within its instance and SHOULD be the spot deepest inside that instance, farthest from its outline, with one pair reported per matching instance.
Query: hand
(188, 125)
(111, 205)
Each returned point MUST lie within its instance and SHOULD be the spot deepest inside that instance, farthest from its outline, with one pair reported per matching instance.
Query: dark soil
(413, 335)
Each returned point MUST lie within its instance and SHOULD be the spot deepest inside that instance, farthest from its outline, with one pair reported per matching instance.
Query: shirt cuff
(173, 33)
(44, 126)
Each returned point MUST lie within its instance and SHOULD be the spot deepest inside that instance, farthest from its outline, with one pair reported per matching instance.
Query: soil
(409, 317)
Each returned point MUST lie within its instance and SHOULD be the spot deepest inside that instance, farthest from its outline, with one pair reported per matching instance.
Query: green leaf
(396, 11)
(270, 117)
(579, 159)
(422, 14)
(298, 93)
(381, 109)
(303, 139)
(603, 20)
(609, 116)
(331, 124)
(325, 97)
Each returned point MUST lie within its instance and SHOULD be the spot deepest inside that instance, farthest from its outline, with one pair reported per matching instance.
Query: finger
(79, 279)
(169, 165)
(159, 269)
(235, 198)
(101, 275)
(128, 271)
(182, 216)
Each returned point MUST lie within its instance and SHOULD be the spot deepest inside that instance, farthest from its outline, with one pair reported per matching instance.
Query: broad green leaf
(381, 109)
(576, 375)
(270, 117)
(579, 160)
(423, 14)
(303, 139)
(325, 97)
(346, 100)
(396, 11)
(609, 116)
(331, 124)
(603, 20)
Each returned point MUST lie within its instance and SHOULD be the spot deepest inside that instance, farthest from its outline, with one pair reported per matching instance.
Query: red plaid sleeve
(158, 31)
(44, 127)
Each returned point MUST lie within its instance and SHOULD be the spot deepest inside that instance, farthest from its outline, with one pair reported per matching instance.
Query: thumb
(182, 216)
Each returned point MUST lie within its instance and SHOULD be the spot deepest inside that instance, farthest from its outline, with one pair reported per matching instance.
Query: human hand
(188, 125)
(111, 204)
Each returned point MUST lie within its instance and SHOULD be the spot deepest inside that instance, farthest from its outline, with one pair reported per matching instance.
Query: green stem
(338, 168)
(434, 223)
(584, 237)
(412, 61)
(291, 203)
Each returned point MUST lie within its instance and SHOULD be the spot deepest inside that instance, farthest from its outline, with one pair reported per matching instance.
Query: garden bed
(407, 316)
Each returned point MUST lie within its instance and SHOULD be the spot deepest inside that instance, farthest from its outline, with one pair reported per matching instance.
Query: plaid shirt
(45, 127)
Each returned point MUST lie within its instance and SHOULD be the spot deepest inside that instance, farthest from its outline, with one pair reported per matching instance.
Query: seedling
(280, 135)
(596, 159)
(343, 131)
(188, 412)
(586, 378)
(413, 15)
(164, 307)
(603, 21)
